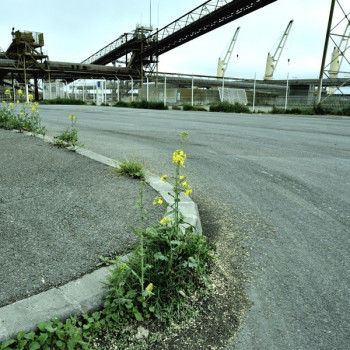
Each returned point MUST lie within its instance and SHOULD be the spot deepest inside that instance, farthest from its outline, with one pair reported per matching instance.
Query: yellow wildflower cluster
(157, 200)
(186, 188)
(35, 107)
(164, 177)
(72, 117)
(179, 157)
(165, 221)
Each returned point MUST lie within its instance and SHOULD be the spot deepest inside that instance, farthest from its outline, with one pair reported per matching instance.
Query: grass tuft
(130, 167)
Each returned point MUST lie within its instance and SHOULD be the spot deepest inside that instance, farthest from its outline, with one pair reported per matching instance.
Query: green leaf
(34, 346)
(42, 338)
(138, 316)
(20, 335)
(6, 343)
(46, 326)
(160, 256)
(131, 293)
(96, 316)
(60, 344)
(147, 293)
(30, 336)
(129, 305)
(152, 308)
(152, 232)
(61, 334)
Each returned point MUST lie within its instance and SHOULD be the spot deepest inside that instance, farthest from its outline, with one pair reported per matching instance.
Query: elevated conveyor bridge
(142, 47)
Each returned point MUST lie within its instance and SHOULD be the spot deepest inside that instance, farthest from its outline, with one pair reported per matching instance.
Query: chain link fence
(109, 92)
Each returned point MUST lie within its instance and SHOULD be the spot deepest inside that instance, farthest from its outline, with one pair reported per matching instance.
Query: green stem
(141, 236)
(176, 198)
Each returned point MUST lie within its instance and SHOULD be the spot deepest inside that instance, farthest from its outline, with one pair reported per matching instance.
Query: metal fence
(110, 92)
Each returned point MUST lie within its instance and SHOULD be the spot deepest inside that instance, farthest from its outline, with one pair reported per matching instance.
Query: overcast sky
(75, 29)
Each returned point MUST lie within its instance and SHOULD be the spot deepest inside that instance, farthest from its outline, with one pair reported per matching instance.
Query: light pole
(104, 93)
(118, 84)
(147, 95)
(66, 87)
(286, 100)
(132, 88)
(254, 93)
(192, 91)
(223, 88)
(165, 97)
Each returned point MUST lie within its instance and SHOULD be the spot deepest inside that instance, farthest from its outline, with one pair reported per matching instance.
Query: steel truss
(146, 47)
(341, 41)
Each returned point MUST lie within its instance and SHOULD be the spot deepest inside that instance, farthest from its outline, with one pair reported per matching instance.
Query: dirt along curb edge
(84, 294)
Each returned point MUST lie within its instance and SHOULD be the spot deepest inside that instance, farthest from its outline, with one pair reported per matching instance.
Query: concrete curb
(85, 294)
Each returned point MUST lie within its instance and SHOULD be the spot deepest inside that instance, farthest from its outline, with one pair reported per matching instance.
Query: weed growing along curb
(22, 116)
(131, 168)
(164, 276)
(69, 137)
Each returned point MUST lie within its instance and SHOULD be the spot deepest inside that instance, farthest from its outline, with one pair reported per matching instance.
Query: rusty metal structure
(141, 48)
(138, 51)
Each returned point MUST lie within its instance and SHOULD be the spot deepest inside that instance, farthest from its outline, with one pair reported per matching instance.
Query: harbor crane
(222, 64)
(272, 60)
(338, 55)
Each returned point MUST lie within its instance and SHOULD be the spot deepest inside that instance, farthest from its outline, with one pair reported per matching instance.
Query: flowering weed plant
(169, 266)
(22, 115)
(69, 137)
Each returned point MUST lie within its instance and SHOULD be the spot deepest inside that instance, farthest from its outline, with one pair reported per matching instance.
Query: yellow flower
(17, 101)
(179, 157)
(157, 200)
(30, 97)
(20, 92)
(21, 114)
(72, 117)
(7, 92)
(165, 221)
(34, 109)
(149, 288)
(184, 184)
(188, 191)
(164, 177)
(11, 105)
(36, 104)
(181, 177)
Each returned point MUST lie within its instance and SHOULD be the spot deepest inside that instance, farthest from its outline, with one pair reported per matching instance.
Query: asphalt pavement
(59, 212)
(274, 191)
